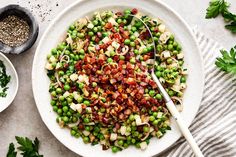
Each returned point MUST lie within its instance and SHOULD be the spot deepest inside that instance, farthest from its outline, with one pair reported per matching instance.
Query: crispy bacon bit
(108, 25)
(134, 11)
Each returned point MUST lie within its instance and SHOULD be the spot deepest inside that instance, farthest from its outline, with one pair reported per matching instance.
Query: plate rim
(58, 17)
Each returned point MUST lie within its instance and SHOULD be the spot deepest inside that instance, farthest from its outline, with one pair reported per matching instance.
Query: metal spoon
(170, 104)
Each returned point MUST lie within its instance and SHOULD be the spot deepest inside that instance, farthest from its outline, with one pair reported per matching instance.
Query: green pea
(131, 117)
(181, 63)
(65, 109)
(175, 52)
(69, 100)
(95, 22)
(138, 24)
(132, 37)
(127, 11)
(73, 132)
(81, 85)
(171, 93)
(53, 93)
(66, 87)
(158, 74)
(132, 44)
(81, 51)
(155, 39)
(145, 50)
(136, 51)
(150, 48)
(175, 44)
(122, 57)
(55, 108)
(120, 142)
(86, 120)
(90, 33)
(59, 111)
(86, 139)
(74, 119)
(170, 47)
(114, 149)
(94, 84)
(159, 48)
(183, 79)
(54, 51)
(159, 96)
(87, 128)
(151, 118)
(59, 90)
(65, 119)
(169, 61)
(133, 141)
(53, 102)
(154, 114)
(61, 98)
(64, 103)
(179, 48)
(80, 35)
(104, 34)
(112, 53)
(95, 29)
(151, 93)
(132, 60)
(133, 29)
(80, 99)
(127, 41)
(86, 102)
(146, 129)
(155, 122)
(109, 60)
(119, 21)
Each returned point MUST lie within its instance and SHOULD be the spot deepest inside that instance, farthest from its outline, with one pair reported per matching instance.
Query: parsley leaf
(227, 62)
(216, 7)
(231, 27)
(28, 147)
(221, 7)
(11, 151)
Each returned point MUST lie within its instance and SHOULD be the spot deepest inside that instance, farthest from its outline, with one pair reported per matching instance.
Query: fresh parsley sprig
(11, 152)
(27, 147)
(217, 7)
(227, 62)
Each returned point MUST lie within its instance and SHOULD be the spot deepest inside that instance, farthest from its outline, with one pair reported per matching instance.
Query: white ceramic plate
(13, 84)
(55, 32)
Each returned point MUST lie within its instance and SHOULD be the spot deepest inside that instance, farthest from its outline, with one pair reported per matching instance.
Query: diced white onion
(48, 66)
(73, 77)
(122, 130)
(105, 40)
(180, 55)
(113, 137)
(143, 145)
(162, 28)
(90, 25)
(85, 132)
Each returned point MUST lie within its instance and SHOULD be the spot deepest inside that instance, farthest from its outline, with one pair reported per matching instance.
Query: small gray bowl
(29, 18)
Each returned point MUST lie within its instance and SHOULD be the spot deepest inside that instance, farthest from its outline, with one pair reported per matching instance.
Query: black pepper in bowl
(13, 31)
(18, 29)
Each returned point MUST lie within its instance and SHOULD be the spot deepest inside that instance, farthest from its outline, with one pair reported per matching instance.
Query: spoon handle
(175, 113)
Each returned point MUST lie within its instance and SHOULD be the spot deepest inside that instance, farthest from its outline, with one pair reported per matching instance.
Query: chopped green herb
(4, 80)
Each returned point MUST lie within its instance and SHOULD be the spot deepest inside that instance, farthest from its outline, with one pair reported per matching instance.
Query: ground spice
(14, 31)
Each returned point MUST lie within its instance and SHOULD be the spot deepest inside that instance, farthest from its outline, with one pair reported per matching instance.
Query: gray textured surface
(22, 117)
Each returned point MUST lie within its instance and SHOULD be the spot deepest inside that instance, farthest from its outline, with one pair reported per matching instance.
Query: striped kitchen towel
(214, 127)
